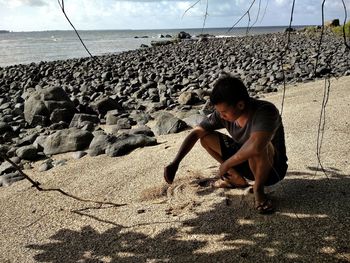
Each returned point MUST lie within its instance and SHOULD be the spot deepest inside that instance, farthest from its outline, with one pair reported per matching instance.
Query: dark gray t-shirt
(264, 117)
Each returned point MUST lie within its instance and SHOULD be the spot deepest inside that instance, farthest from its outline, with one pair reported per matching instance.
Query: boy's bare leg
(211, 144)
(261, 166)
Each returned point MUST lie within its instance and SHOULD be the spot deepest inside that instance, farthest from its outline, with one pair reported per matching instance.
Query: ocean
(28, 47)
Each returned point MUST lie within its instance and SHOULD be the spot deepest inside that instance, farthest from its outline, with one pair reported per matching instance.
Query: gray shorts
(229, 147)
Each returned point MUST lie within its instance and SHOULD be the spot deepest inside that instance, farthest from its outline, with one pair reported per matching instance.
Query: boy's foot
(265, 207)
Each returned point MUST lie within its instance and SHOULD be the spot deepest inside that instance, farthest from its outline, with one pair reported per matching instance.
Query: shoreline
(50, 42)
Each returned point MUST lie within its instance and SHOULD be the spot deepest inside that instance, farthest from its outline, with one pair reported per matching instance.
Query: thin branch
(61, 4)
(290, 24)
(263, 16)
(205, 15)
(190, 8)
(239, 20)
(345, 18)
(247, 31)
(321, 39)
(37, 186)
(257, 16)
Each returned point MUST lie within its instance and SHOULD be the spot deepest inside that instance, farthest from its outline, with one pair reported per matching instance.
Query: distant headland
(4, 31)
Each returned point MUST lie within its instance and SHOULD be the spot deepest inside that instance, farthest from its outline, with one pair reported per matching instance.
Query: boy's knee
(208, 139)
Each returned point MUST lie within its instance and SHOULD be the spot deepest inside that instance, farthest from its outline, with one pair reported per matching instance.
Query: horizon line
(150, 29)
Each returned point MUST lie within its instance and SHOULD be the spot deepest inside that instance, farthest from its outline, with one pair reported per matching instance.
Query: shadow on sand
(310, 225)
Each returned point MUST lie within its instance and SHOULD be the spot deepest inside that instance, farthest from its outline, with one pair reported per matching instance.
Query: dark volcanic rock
(68, 140)
(4, 127)
(168, 123)
(28, 152)
(102, 106)
(80, 119)
(8, 179)
(41, 104)
(99, 144)
(127, 143)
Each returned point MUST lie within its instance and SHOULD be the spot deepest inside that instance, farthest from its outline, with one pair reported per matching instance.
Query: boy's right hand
(169, 172)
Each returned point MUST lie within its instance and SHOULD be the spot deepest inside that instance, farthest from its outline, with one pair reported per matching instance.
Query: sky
(39, 15)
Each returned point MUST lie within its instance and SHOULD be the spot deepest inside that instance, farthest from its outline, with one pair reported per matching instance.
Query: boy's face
(229, 112)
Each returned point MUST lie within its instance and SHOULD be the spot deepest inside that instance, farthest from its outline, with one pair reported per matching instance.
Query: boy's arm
(186, 146)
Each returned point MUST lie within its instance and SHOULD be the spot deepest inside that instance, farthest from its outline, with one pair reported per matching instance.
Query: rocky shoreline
(56, 107)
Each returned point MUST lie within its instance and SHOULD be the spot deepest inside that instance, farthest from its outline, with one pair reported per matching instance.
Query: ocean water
(28, 47)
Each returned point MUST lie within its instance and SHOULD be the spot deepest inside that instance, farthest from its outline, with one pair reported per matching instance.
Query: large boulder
(333, 23)
(129, 142)
(188, 98)
(80, 119)
(194, 120)
(8, 179)
(49, 105)
(103, 105)
(67, 140)
(168, 123)
(28, 152)
(100, 142)
(4, 127)
(183, 35)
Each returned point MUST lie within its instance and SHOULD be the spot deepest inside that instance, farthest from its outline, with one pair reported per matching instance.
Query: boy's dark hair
(230, 90)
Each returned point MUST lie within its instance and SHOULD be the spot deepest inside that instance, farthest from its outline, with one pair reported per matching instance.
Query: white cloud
(120, 14)
(280, 2)
(18, 3)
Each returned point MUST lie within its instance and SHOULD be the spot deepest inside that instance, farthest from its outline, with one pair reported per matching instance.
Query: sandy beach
(133, 216)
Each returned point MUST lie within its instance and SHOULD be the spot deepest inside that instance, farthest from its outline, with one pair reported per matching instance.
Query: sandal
(265, 207)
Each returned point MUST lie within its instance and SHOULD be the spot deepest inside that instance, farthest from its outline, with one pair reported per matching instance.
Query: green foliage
(339, 29)
(310, 29)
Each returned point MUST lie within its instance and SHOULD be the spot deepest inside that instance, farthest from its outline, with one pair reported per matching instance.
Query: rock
(59, 162)
(79, 120)
(141, 117)
(39, 142)
(102, 106)
(183, 35)
(41, 104)
(28, 152)
(333, 23)
(127, 143)
(168, 123)
(78, 155)
(45, 166)
(60, 115)
(99, 144)
(142, 130)
(161, 43)
(125, 123)
(187, 98)
(6, 167)
(289, 29)
(8, 179)
(112, 117)
(67, 140)
(194, 120)
(4, 127)
(59, 126)
(27, 140)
